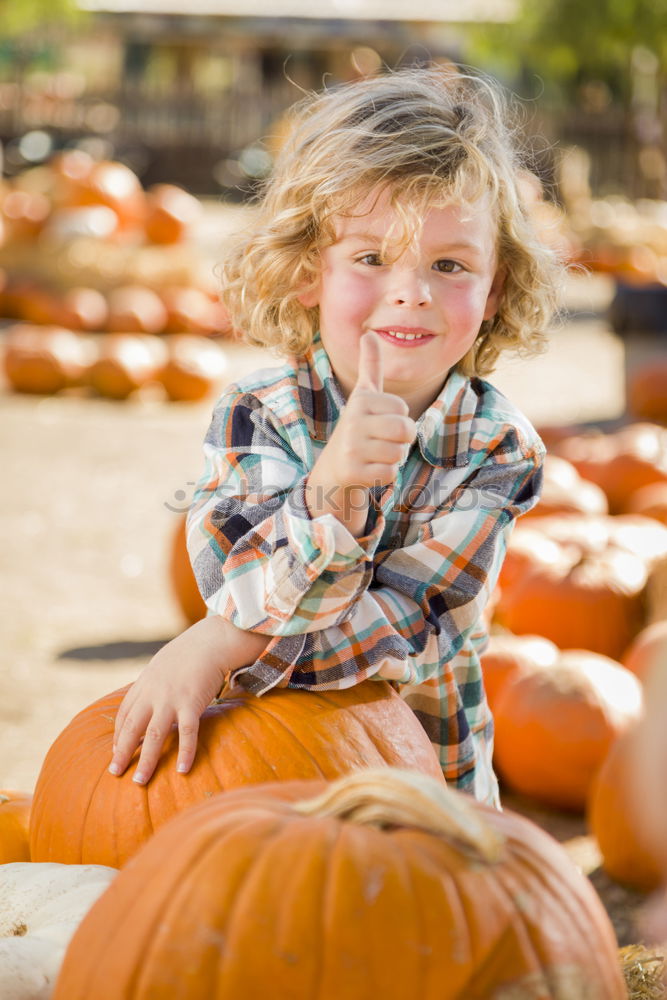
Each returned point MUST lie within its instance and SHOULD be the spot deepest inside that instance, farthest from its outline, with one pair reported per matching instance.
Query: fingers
(391, 427)
(370, 375)
(382, 452)
(156, 733)
(130, 730)
(188, 730)
(150, 731)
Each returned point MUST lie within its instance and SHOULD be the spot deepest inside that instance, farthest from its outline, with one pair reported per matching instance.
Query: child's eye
(373, 259)
(447, 266)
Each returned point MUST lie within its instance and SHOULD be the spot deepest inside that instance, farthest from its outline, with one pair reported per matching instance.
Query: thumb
(370, 375)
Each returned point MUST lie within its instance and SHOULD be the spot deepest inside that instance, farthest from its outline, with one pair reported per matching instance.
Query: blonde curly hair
(428, 136)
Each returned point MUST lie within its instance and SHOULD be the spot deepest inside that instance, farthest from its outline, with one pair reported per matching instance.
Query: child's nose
(409, 288)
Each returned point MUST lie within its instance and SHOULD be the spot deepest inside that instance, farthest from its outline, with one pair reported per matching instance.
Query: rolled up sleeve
(259, 558)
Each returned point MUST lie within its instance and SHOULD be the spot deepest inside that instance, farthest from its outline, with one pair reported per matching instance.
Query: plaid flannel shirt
(403, 602)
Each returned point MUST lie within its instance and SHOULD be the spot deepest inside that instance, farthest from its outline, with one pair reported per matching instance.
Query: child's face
(426, 305)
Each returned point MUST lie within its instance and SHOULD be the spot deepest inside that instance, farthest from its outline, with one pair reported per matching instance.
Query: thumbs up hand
(371, 367)
(367, 445)
(375, 426)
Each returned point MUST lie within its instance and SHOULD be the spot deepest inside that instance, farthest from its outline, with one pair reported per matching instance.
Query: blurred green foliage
(20, 16)
(555, 46)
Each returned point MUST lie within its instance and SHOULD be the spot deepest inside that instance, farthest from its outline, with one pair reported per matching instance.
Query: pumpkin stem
(388, 797)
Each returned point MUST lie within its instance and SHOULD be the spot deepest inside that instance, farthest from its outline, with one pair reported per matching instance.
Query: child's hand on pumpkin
(368, 443)
(173, 691)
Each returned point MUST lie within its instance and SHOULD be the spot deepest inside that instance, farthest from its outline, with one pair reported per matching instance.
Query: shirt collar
(445, 427)
(443, 430)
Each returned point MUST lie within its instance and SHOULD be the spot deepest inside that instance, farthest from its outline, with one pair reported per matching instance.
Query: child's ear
(310, 296)
(495, 293)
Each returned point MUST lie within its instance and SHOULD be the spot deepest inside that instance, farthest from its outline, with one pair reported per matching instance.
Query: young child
(356, 502)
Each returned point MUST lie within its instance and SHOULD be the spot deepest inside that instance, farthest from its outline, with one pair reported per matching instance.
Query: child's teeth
(405, 336)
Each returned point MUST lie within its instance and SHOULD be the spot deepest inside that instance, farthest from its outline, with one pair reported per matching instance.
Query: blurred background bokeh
(193, 93)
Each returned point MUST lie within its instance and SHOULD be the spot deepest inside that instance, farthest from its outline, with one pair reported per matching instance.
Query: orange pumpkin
(507, 656)
(83, 815)
(555, 725)
(612, 813)
(25, 214)
(189, 310)
(579, 580)
(135, 309)
(565, 491)
(651, 501)
(184, 585)
(14, 824)
(376, 886)
(171, 214)
(41, 306)
(116, 186)
(124, 363)
(70, 169)
(620, 462)
(647, 391)
(75, 309)
(194, 369)
(44, 359)
(649, 763)
(647, 650)
(85, 309)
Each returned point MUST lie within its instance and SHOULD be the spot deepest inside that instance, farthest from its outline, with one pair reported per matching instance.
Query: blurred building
(194, 92)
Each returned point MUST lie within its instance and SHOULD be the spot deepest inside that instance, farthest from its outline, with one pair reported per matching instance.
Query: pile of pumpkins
(315, 828)
(102, 285)
(44, 360)
(313, 850)
(624, 238)
(578, 621)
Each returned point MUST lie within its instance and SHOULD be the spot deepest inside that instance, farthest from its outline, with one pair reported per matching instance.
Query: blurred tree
(557, 46)
(20, 16)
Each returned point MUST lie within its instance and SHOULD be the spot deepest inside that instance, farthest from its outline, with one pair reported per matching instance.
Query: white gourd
(41, 905)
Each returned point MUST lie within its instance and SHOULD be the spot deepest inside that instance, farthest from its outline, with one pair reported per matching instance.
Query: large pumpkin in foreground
(388, 885)
(83, 815)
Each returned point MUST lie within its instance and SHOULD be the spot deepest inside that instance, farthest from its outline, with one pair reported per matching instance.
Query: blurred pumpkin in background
(554, 725)
(135, 309)
(171, 214)
(14, 826)
(194, 368)
(44, 359)
(619, 462)
(612, 815)
(126, 362)
(115, 185)
(25, 214)
(581, 580)
(647, 391)
(183, 582)
(565, 491)
(189, 310)
(507, 656)
(647, 650)
(85, 309)
(651, 501)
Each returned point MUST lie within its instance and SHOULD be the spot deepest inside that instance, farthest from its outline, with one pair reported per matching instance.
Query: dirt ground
(92, 491)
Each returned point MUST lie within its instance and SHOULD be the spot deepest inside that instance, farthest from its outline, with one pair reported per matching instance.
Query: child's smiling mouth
(404, 336)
